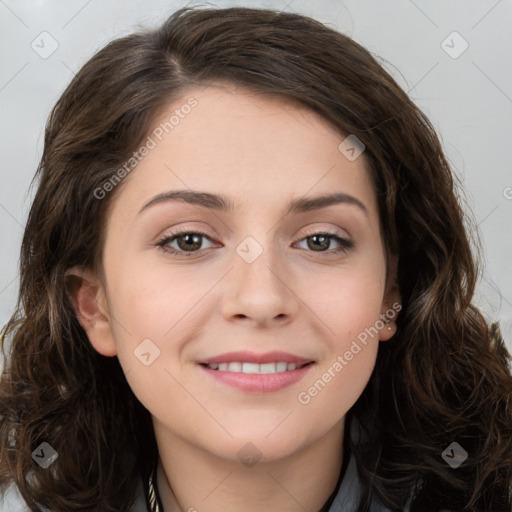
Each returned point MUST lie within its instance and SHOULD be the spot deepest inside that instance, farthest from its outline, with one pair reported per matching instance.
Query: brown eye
(187, 242)
(321, 242)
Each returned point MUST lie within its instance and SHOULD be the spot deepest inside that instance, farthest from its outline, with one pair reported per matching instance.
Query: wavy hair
(445, 375)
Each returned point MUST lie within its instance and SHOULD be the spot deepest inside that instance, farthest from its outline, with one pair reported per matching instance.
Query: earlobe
(392, 301)
(88, 297)
(388, 331)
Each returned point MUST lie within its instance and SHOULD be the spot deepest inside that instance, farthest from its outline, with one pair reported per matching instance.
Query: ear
(88, 297)
(392, 303)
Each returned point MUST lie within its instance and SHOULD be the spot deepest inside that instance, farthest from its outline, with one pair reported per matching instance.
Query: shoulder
(350, 490)
(12, 501)
(140, 502)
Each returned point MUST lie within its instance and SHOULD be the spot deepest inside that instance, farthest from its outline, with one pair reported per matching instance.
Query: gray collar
(350, 490)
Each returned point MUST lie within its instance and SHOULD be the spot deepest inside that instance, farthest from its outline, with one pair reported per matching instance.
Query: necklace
(152, 497)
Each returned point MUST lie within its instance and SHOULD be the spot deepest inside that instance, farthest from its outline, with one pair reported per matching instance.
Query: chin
(254, 445)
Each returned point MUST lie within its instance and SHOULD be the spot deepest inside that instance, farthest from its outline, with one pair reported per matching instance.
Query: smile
(256, 373)
(264, 368)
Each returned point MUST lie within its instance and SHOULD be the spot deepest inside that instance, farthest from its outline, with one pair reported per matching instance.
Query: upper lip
(252, 357)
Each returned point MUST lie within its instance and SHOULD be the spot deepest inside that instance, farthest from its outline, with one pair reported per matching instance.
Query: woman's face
(256, 287)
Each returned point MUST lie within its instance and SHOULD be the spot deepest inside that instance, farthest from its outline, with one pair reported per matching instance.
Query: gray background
(467, 96)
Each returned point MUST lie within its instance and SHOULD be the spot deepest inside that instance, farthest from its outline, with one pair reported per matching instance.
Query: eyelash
(345, 245)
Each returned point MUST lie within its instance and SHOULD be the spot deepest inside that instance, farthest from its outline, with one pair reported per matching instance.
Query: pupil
(189, 240)
(323, 242)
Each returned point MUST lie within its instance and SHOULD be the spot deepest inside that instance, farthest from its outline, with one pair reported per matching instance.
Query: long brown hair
(443, 378)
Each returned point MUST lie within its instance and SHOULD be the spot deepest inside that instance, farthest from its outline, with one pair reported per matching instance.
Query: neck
(189, 479)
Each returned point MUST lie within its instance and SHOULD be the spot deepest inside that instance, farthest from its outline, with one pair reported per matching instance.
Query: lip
(257, 383)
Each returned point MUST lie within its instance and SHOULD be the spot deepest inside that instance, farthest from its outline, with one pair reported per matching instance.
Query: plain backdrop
(452, 57)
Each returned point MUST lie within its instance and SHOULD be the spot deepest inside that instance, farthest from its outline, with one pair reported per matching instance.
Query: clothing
(345, 501)
(348, 494)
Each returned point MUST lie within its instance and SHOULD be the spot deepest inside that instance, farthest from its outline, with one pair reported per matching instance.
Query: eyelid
(346, 241)
(326, 231)
(174, 234)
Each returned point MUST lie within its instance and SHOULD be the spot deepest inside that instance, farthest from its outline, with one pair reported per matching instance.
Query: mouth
(257, 373)
(255, 368)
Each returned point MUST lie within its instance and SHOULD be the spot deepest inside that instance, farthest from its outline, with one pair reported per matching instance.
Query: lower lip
(259, 382)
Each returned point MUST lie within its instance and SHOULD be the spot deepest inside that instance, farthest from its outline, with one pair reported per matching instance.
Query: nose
(260, 291)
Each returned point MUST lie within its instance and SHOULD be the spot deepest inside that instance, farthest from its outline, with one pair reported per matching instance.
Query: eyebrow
(222, 203)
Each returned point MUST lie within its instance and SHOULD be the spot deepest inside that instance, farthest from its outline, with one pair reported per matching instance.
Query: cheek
(155, 315)
(152, 308)
(349, 305)
(347, 299)
(150, 302)
(333, 387)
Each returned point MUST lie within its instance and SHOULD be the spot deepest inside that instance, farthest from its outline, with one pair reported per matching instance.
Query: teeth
(268, 368)
(281, 367)
(234, 367)
(247, 367)
(254, 367)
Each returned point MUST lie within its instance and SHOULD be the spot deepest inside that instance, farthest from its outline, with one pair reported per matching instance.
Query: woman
(320, 353)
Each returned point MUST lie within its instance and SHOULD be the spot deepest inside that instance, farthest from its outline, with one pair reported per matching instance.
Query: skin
(261, 152)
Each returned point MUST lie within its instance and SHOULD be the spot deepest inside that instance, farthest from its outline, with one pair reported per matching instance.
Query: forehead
(257, 148)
